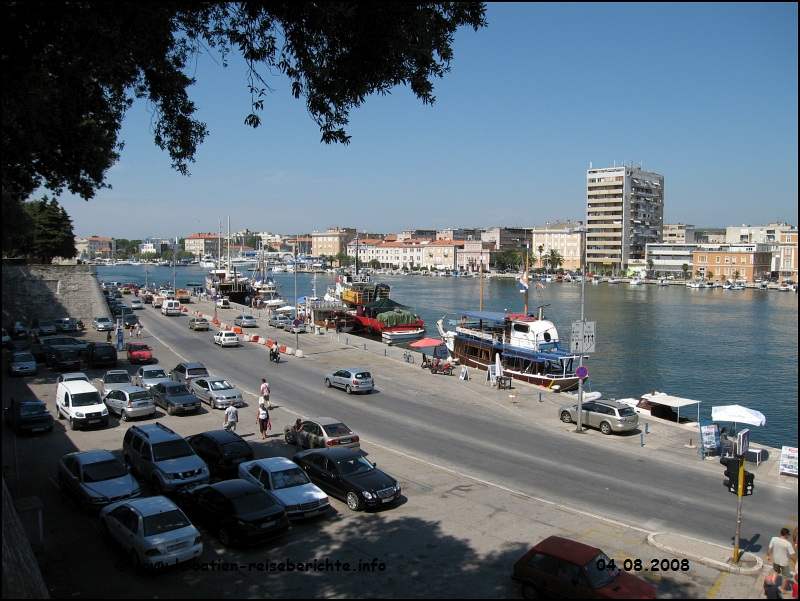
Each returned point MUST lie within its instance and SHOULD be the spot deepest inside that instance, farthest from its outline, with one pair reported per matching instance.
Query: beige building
(332, 241)
(678, 233)
(202, 244)
(624, 213)
(787, 253)
(474, 254)
(441, 255)
(721, 262)
(96, 247)
(560, 237)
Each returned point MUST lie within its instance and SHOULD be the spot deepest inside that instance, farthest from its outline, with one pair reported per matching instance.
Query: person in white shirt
(232, 417)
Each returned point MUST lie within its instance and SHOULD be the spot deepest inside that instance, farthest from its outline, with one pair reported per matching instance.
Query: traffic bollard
(647, 427)
(540, 397)
(641, 439)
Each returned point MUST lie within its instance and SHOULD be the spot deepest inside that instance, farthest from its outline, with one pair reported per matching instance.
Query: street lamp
(582, 232)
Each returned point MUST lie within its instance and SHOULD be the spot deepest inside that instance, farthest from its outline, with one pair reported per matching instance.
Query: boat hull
(373, 326)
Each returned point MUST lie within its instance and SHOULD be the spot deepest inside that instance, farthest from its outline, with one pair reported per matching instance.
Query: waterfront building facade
(561, 237)
(678, 233)
(458, 234)
(624, 213)
(669, 258)
(202, 244)
(505, 238)
(96, 246)
(332, 241)
(441, 255)
(787, 252)
(474, 254)
(745, 262)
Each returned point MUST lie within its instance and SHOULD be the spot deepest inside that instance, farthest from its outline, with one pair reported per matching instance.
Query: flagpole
(527, 279)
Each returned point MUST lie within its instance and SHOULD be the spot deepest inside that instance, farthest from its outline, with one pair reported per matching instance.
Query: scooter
(275, 356)
(440, 367)
(80, 325)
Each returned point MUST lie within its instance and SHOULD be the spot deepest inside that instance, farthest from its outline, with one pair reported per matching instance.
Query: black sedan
(174, 397)
(39, 352)
(239, 511)
(222, 451)
(63, 358)
(28, 416)
(347, 475)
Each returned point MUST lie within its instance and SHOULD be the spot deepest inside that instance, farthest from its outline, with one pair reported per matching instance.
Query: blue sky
(704, 94)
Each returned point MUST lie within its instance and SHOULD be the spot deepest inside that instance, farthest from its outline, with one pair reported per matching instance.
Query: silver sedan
(607, 416)
(245, 321)
(149, 375)
(217, 392)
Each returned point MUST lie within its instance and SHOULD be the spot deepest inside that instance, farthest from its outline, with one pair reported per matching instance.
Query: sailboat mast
(480, 272)
(527, 282)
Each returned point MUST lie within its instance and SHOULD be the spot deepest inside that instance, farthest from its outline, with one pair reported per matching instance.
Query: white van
(80, 403)
(171, 307)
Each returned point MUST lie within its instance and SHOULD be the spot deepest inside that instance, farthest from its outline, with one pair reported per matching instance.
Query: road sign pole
(583, 328)
(739, 494)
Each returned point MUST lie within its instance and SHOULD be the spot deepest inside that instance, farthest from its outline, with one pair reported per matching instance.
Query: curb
(713, 563)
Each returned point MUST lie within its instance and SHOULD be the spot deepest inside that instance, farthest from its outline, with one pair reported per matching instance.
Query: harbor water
(721, 347)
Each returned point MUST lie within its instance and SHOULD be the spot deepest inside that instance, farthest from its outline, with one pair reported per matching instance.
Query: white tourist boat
(396, 335)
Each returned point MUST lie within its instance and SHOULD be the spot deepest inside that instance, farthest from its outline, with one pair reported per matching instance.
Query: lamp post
(582, 231)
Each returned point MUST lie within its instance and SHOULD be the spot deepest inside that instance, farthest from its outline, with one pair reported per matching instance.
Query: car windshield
(197, 371)
(139, 396)
(220, 385)
(179, 390)
(139, 347)
(250, 503)
(72, 378)
(117, 378)
(334, 430)
(172, 449)
(84, 399)
(289, 478)
(154, 373)
(356, 465)
(601, 578)
(103, 320)
(22, 358)
(626, 412)
(237, 447)
(167, 521)
(35, 409)
(104, 470)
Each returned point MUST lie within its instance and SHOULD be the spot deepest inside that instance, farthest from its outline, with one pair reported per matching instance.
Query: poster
(788, 461)
(710, 436)
(464, 373)
(491, 375)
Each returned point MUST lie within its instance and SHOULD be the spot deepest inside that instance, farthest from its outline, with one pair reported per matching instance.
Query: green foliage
(51, 234)
(509, 259)
(375, 264)
(553, 259)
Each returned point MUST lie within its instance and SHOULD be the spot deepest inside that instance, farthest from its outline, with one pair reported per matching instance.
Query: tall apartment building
(624, 212)
(332, 241)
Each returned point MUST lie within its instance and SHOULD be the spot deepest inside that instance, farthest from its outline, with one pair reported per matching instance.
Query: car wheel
(529, 591)
(136, 562)
(157, 490)
(124, 416)
(605, 428)
(129, 465)
(566, 417)
(328, 383)
(288, 438)
(225, 537)
(58, 413)
(72, 425)
(348, 390)
(353, 502)
(171, 411)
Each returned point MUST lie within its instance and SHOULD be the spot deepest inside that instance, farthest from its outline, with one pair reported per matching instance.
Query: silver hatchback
(351, 379)
(607, 416)
(130, 402)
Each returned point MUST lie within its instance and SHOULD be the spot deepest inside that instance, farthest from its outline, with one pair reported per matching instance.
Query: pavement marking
(712, 592)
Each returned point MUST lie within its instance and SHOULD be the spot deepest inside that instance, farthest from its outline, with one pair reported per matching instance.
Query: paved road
(466, 427)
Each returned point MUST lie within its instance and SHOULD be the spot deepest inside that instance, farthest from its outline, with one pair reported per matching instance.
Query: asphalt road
(452, 424)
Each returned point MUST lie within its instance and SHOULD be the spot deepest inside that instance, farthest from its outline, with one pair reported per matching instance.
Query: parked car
(288, 483)
(279, 321)
(102, 324)
(130, 402)
(139, 352)
(100, 353)
(561, 567)
(72, 377)
(66, 324)
(129, 319)
(28, 416)
(63, 358)
(46, 327)
(22, 364)
(80, 403)
(174, 397)
(52, 342)
(153, 530)
(226, 338)
(347, 475)
(322, 432)
(39, 352)
(245, 321)
(351, 379)
(238, 511)
(294, 328)
(223, 303)
(183, 372)
(114, 379)
(217, 392)
(608, 416)
(162, 457)
(7, 340)
(18, 332)
(150, 375)
(222, 451)
(136, 304)
(198, 323)
(93, 479)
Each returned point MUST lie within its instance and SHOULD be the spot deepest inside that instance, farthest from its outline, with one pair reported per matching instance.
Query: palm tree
(541, 253)
(650, 265)
(554, 259)
(685, 269)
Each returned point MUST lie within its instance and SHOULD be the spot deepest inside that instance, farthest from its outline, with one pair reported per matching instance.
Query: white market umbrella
(499, 370)
(738, 414)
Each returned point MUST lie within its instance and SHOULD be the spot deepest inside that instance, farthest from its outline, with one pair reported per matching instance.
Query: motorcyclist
(274, 352)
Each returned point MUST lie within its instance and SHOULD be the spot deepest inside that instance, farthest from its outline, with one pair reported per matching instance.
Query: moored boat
(391, 336)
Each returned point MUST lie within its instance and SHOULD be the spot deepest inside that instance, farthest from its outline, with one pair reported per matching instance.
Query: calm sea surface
(718, 346)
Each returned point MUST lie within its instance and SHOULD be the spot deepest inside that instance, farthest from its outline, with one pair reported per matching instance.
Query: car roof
(274, 464)
(222, 436)
(148, 506)
(192, 365)
(17, 353)
(156, 432)
(615, 404)
(337, 454)
(116, 371)
(132, 389)
(214, 379)
(355, 369)
(30, 402)
(324, 421)
(78, 386)
(236, 488)
(565, 548)
(74, 375)
(93, 456)
(146, 368)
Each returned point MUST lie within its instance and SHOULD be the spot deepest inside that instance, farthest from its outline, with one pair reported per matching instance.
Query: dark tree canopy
(71, 70)
(51, 235)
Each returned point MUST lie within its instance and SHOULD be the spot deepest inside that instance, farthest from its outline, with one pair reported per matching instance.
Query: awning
(738, 414)
(670, 401)
(426, 342)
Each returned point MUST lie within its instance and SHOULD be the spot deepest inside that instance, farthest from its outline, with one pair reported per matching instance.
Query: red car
(560, 567)
(139, 352)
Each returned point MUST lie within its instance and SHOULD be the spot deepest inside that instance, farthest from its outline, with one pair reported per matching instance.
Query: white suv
(226, 338)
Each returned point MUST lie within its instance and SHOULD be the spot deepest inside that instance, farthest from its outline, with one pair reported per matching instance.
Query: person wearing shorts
(265, 392)
(781, 552)
(262, 419)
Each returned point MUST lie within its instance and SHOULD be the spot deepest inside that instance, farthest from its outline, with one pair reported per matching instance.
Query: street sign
(743, 442)
(582, 372)
(582, 340)
(297, 322)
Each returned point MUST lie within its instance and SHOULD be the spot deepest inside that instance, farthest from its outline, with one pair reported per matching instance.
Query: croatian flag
(523, 282)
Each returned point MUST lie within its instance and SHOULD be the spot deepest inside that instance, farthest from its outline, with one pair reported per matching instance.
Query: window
(718, 259)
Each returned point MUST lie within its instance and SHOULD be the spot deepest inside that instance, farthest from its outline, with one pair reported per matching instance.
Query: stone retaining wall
(51, 292)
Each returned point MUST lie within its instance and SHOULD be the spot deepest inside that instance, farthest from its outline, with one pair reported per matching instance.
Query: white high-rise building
(624, 212)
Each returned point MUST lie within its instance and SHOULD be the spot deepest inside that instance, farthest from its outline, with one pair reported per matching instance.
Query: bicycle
(409, 358)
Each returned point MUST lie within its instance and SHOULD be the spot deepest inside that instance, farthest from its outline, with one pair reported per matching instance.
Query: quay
(484, 477)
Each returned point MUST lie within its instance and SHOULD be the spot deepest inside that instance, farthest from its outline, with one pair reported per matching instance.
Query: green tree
(650, 265)
(72, 70)
(554, 259)
(508, 259)
(52, 234)
(375, 264)
(343, 259)
(540, 249)
(685, 270)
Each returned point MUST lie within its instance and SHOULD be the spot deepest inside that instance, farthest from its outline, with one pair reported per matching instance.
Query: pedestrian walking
(265, 392)
(231, 417)
(298, 434)
(130, 332)
(262, 419)
(108, 337)
(139, 330)
(781, 552)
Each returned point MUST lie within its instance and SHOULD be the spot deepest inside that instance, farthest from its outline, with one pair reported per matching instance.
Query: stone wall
(22, 578)
(51, 292)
